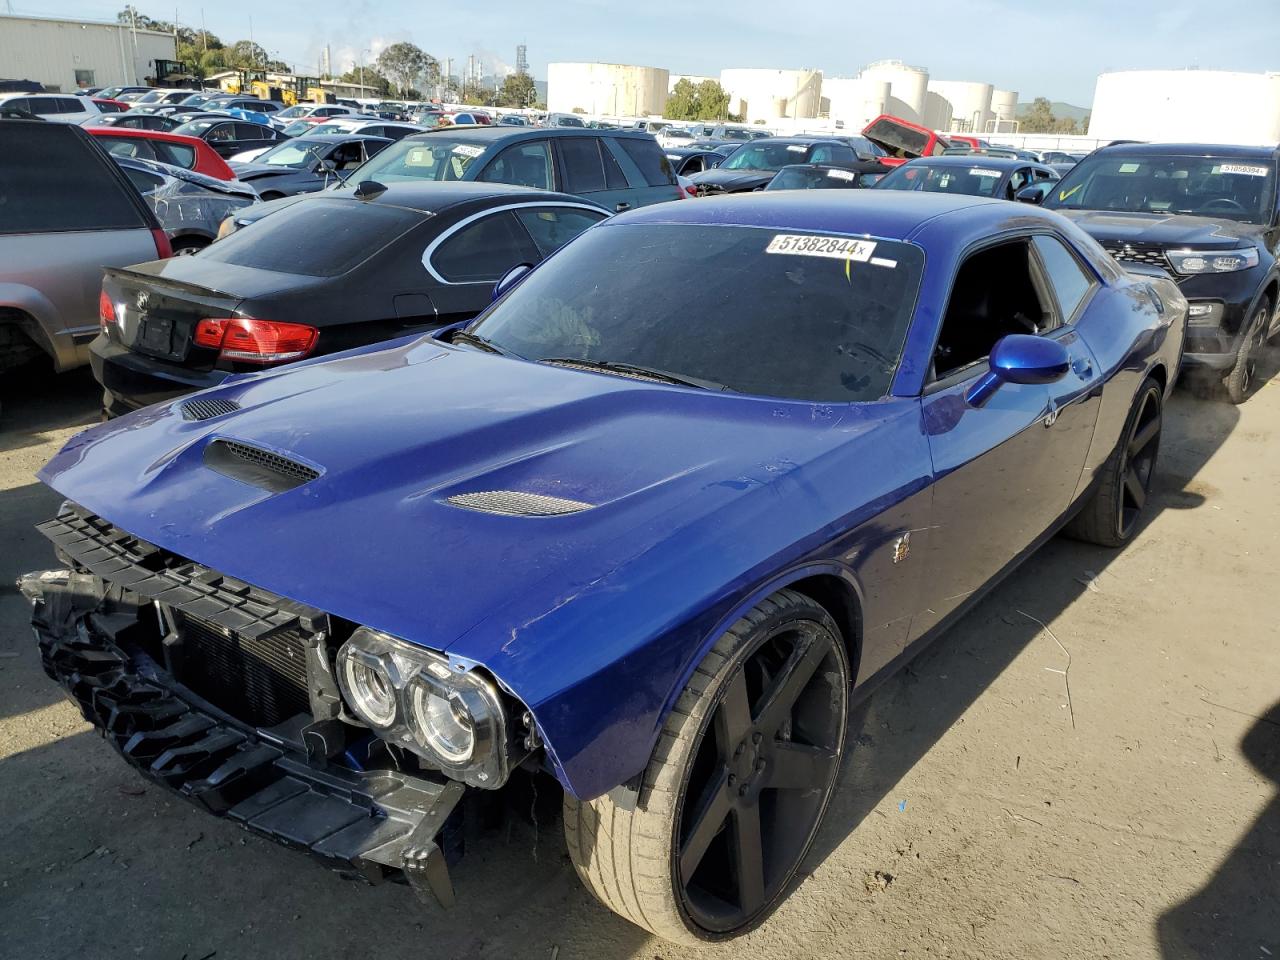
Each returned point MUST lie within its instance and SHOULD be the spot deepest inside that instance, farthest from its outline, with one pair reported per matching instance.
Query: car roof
(801, 139)
(487, 133)
(435, 196)
(1192, 150)
(891, 214)
(334, 138)
(970, 160)
(139, 132)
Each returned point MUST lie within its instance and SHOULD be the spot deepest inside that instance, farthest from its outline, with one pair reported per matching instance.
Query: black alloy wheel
(1138, 461)
(761, 777)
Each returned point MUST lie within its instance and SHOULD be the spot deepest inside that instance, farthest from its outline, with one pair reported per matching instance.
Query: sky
(1050, 49)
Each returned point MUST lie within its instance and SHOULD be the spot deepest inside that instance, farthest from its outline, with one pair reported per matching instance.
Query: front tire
(741, 776)
(1239, 381)
(1110, 516)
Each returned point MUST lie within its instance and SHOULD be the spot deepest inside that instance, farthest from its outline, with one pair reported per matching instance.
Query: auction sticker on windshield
(979, 172)
(840, 174)
(807, 245)
(1243, 169)
(468, 150)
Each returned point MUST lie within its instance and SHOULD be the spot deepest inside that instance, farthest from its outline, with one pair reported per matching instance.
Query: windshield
(295, 154)
(766, 156)
(291, 113)
(735, 133)
(1235, 189)
(818, 178)
(299, 127)
(433, 158)
(801, 316)
(196, 127)
(976, 181)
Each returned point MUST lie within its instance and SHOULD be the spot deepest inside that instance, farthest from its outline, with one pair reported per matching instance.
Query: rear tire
(1240, 380)
(1110, 516)
(741, 776)
(188, 246)
(270, 195)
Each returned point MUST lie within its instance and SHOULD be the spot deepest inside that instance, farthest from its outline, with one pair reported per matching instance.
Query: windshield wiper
(651, 373)
(466, 336)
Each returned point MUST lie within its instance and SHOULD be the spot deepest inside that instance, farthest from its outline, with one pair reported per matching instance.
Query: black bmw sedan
(306, 164)
(325, 274)
(754, 164)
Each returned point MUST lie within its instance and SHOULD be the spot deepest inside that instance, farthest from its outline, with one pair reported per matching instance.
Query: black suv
(1206, 214)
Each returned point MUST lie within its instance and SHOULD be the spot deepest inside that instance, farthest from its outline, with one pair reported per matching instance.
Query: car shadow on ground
(34, 400)
(1237, 912)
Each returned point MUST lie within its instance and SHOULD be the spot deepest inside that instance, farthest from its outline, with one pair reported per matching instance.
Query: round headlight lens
(445, 724)
(370, 691)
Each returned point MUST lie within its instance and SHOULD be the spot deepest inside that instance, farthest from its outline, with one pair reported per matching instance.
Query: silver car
(190, 206)
(66, 211)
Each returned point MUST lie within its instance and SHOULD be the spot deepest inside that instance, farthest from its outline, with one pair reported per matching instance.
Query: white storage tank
(615, 89)
(855, 101)
(764, 95)
(969, 102)
(908, 87)
(1004, 111)
(1200, 106)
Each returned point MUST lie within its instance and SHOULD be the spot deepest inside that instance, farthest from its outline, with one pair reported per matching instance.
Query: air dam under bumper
(375, 825)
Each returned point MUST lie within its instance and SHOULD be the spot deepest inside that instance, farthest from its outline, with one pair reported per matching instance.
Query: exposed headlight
(1189, 262)
(226, 227)
(415, 698)
(1204, 313)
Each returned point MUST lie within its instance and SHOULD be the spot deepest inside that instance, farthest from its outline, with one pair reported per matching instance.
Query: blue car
(646, 527)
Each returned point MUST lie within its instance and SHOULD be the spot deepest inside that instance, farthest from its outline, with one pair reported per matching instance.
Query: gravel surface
(983, 812)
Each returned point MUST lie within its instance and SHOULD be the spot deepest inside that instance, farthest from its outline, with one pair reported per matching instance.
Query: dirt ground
(983, 812)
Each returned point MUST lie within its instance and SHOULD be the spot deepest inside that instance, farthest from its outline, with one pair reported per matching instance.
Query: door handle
(621, 207)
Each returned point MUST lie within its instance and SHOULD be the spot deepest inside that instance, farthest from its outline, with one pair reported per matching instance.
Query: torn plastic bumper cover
(376, 824)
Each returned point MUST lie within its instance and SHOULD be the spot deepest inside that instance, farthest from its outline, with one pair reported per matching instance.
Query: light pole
(362, 53)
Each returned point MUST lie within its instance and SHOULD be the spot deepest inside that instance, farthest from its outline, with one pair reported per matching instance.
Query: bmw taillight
(163, 249)
(247, 340)
(106, 311)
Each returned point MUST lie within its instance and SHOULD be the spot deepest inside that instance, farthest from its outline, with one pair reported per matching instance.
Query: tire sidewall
(1149, 388)
(1238, 390)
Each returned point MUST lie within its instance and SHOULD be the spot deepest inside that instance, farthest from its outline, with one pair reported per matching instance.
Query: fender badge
(902, 547)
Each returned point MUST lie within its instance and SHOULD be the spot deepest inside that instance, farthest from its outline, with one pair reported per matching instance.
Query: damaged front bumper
(373, 824)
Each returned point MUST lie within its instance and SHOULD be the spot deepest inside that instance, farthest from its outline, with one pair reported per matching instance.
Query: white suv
(59, 107)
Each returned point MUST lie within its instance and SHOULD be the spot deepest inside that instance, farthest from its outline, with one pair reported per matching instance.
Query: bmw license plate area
(156, 337)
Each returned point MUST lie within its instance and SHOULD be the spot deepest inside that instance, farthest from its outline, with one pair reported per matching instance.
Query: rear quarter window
(648, 156)
(315, 238)
(54, 179)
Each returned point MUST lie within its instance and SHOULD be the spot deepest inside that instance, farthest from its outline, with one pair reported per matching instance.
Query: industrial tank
(969, 105)
(855, 101)
(615, 89)
(908, 87)
(1004, 111)
(764, 95)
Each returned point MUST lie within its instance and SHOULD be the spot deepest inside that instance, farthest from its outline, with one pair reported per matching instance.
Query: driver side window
(994, 295)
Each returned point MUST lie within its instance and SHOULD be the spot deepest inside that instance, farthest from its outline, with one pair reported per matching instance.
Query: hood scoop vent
(258, 467)
(208, 409)
(516, 503)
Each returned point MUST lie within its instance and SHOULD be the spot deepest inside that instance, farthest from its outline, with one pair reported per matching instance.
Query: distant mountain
(1063, 111)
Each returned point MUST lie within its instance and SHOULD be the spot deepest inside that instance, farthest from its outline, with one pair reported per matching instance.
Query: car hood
(1174, 230)
(394, 432)
(257, 171)
(733, 181)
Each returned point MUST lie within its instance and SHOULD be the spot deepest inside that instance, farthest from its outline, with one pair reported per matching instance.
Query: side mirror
(1034, 193)
(509, 280)
(1020, 358)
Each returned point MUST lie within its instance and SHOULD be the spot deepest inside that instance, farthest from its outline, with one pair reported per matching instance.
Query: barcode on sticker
(467, 150)
(840, 174)
(1243, 169)
(807, 245)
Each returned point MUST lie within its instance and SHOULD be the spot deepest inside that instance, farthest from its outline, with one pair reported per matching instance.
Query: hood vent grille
(208, 409)
(256, 466)
(515, 503)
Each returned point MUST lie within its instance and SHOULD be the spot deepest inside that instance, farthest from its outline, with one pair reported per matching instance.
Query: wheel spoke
(1133, 484)
(798, 766)
(789, 683)
(708, 818)
(1142, 439)
(733, 719)
(748, 858)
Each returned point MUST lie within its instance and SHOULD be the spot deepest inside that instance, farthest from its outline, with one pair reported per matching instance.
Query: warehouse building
(65, 55)
(612, 89)
(1204, 106)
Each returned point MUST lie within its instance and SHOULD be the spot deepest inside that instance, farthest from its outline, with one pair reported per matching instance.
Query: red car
(191, 153)
(903, 140)
(110, 106)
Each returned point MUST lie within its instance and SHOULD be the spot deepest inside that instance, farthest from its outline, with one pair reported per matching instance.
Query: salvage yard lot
(1106, 789)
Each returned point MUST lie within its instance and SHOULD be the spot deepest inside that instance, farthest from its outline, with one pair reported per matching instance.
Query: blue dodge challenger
(647, 526)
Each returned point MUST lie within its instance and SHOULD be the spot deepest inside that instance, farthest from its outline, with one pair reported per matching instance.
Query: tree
(403, 63)
(517, 91)
(246, 55)
(705, 101)
(372, 78)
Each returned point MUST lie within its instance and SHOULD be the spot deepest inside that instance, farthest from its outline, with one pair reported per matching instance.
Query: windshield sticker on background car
(840, 174)
(1243, 169)
(979, 172)
(468, 150)
(1130, 167)
(797, 148)
(806, 245)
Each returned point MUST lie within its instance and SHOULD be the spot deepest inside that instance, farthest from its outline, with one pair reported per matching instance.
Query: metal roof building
(67, 54)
